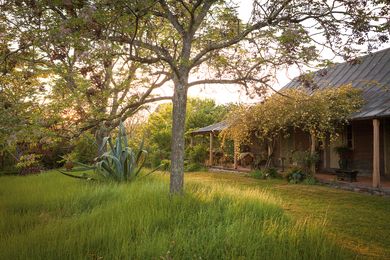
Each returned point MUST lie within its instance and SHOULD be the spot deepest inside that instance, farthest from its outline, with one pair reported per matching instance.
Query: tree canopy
(90, 83)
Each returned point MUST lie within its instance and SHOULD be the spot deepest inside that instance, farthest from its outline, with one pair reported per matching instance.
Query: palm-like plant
(120, 162)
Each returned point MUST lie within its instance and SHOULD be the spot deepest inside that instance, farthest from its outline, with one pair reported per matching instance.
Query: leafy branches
(322, 112)
(92, 82)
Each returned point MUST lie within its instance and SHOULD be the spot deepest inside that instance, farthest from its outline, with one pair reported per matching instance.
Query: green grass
(220, 216)
(358, 222)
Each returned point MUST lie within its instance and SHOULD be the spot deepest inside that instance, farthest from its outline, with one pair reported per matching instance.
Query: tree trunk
(270, 151)
(100, 133)
(178, 127)
(235, 153)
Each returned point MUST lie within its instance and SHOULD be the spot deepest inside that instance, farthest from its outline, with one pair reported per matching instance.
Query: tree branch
(171, 17)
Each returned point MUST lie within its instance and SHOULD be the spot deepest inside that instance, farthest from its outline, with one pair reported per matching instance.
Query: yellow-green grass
(220, 216)
(358, 222)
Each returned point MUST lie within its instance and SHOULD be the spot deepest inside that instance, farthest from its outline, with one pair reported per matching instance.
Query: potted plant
(344, 153)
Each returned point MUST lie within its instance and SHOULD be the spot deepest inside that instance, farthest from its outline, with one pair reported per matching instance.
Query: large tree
(93, 85)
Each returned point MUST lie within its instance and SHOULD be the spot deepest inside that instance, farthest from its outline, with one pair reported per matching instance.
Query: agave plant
(121, 162)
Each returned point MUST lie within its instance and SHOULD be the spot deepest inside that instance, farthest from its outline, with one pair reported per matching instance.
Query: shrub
(197, 153)
(7, 163)
(310, 180)
(305, 160)
(166, 164)
(269, 173)
(85, 148)
(29, 163)
(193, 167)
(295, 175)
(343, 151)
(52, 153)
(257, 174)
(156, 157)
(68, 160)
(9, 170)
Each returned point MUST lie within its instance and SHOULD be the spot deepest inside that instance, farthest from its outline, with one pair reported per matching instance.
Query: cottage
(368, 134)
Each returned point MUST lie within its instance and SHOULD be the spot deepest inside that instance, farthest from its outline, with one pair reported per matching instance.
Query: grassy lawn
(359, 222)
(221, 216)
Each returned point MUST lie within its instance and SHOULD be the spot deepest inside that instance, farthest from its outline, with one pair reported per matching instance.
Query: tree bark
(178, 127)
(270, 151)
(100, 133)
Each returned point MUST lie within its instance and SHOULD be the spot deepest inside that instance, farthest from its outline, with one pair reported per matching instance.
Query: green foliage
(52, 151)
(342, 151)
(196, 156)
(29, 163)
(69, 157)
(268, 173)
(85, 148)
(203, 112)
(121, 162)
(305, 159)
(7, 163)
(158, 129)
(166, 165)
(193, 167)
(321, 112)
(310, 180)
(68, 160)
(20, 90)
(271, 173)
(197, 153)
(158, 134)
(257, 174)
(296, 175)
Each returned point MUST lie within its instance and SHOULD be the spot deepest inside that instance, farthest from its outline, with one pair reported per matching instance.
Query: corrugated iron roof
(371, 74)
(217, 127)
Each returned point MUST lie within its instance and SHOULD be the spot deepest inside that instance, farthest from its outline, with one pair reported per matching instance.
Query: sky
(232, 93)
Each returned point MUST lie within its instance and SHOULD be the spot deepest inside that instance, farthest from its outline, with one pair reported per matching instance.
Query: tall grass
(53, 217)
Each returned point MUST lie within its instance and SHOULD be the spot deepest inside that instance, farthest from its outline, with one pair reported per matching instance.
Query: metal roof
(371, 74)
(217, 127)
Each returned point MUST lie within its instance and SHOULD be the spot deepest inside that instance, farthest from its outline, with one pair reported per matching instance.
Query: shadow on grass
(51, 217)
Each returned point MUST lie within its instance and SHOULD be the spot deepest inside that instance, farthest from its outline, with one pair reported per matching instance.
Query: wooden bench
(347, 174)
